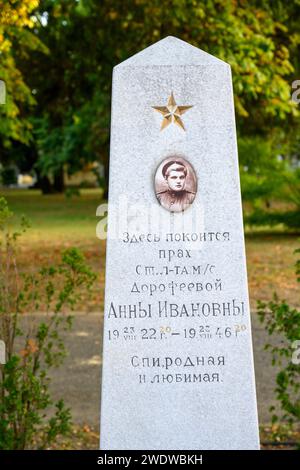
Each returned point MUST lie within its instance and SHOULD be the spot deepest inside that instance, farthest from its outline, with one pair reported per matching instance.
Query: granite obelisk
(178, 367)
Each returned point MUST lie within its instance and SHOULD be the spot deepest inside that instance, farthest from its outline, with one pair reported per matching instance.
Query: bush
(9, 176)
(282, 319)
(26, 420)
(291, 219)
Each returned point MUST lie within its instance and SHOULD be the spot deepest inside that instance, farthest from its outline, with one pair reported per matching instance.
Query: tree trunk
(59, 182)
(106, 181)
(44, 184)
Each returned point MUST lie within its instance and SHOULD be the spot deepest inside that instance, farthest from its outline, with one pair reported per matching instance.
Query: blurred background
(56, 60)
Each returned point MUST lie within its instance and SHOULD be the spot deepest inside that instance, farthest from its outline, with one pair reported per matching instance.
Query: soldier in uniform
(176, 198)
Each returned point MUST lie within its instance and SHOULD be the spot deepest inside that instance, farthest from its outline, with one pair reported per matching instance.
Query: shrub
(278, 317)
(9, 176)
(27, 419)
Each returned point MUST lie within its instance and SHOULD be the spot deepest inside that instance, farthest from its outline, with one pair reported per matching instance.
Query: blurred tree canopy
(16, 39)
(58, 59)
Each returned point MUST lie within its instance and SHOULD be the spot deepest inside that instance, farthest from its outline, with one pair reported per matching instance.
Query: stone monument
(177, 356)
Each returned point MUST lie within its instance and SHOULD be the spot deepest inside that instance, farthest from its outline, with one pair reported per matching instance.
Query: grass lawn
(58, 222)
(56, 218)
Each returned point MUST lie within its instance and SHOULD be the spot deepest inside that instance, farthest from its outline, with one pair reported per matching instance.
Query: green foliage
(25, 400)
(8, 176)
(293, 187)
(261, 170)
(73, 83)
(270, 179)
(17, 40)
(71, 192)
(281, 319)
(290, 219)
(59, 89)
(76, 141)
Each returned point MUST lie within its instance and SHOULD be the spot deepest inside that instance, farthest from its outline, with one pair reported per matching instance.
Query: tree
(87, 38)
(16, 40)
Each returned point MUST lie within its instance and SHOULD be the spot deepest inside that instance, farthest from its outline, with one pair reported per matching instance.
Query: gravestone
(177, 356)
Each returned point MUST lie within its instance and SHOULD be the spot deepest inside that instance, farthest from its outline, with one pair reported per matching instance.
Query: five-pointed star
(171, 113)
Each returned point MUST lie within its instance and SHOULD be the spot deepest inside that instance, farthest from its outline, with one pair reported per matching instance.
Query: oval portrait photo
(175, 184)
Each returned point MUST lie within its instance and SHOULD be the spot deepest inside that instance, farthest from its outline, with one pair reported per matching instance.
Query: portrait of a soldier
(176, 198)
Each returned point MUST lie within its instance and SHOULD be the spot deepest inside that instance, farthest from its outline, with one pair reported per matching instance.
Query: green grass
(56, 217)
(56, 223)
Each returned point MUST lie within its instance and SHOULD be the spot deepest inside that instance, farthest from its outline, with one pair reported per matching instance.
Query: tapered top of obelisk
(171, 51)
